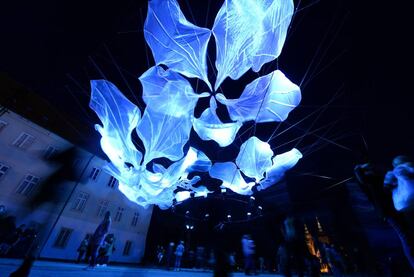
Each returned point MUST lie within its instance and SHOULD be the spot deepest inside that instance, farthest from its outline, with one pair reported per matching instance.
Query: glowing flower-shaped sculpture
(248, 34)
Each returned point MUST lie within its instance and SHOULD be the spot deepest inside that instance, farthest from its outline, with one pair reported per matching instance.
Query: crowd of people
(15, 241)
(391, 193)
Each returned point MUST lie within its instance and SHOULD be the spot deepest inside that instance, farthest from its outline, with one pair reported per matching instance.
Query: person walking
(248, 248)
(179, 251)
(97, 238)
(170, 254)
(106, 250)
(82, 249)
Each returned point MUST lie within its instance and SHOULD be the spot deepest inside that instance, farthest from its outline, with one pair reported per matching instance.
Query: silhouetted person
(296, 249)
(221, 250)
(106, 250)
(179, 251)
(83, 247)
(248, 248)
(200, 256)
(48, 192)
(393, 197)
(97, 239)
(170, 255)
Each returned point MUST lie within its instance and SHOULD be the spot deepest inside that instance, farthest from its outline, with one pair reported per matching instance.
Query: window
(127, 248)
(27, 185)
(50, 152)
(80, 201)
(3, 169)
(113, 182)
(24, 141)
(63, 237)
(103, 207)
(3, 125)
(94, 173)
(118, 215)
(135, 219)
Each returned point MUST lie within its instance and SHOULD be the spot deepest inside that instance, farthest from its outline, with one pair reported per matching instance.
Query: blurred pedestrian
(106, 250)
(179, 251)
(248, 248)
(97, 239)
(170, 255)
(83, 247)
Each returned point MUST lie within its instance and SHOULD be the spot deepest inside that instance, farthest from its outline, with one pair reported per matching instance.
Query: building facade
(25, 151)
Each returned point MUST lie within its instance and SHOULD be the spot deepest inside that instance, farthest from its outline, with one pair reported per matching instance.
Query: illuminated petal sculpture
(281, 164)
(167, 92)
(255, 158)
(266, 99)
(119, 117)
(209, 127)
(231, 177)
(163, 135)
(248, 34)
(174, 41)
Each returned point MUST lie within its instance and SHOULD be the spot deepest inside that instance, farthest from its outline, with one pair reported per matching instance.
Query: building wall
(30, 160)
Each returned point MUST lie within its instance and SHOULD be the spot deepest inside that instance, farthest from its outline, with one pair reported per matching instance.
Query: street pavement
(58, 269)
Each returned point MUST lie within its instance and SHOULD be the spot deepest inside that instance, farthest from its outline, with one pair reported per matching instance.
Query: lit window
(80, 201)
(50, 152)
(3, 125)
(113, 182)
(94, 173)
(134, 221)
(3, 169)
(27, 185)
(24, 141)
(127, 248)
(118, 215)
(102, 208)
(63, 238)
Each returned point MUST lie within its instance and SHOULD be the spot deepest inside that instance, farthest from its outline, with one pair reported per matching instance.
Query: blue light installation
(248, 34)
(174, 41)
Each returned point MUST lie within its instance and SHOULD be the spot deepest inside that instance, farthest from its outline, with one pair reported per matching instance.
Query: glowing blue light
(169, 93)
(248, 34)
(281, 164)
(163, 135)
(266, 99)
(182, 195)
(231, 177)
(118, 123)
(255, 157)
(209, 127)
(175, 42)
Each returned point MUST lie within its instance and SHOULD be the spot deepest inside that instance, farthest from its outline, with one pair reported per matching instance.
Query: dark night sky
(357, 53)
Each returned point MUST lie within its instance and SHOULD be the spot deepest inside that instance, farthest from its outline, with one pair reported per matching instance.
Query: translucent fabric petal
(281, 164)
(146, 188)
(174, 41)
(167, 92)
(248, 34)
(119, 117)
(163, 135)
(209, 127)
(266, 99)
(231, 177)
(201, 191)
(255, 158)
(182, 195)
